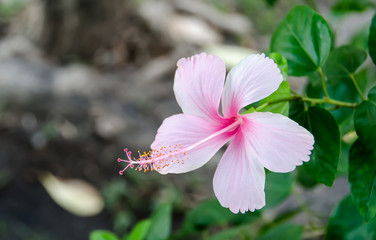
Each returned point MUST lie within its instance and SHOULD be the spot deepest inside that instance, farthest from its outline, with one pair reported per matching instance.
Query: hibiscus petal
(278, 142)
(239, 180)
(253, 79)
(199, 83)
(179, 132)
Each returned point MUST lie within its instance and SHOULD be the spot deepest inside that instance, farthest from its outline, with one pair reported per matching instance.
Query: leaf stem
(310, 100)
(357, 87)
(323, 82)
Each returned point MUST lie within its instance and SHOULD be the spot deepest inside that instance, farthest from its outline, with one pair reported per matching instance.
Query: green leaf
(204, 215)
(325, 156)
(344, 61)
(372, 40)
(360, 38)
(365, 119)
(210, 213)
(304, 179)
(346, 223)
(281, 62)
(283, 231)
(340, 68)
(140, 230)
(344, 6)
(242, 232)
(362, 178)
(304, 39)
(282, 92)
(278, 186)
(160, 225)
(102, 235)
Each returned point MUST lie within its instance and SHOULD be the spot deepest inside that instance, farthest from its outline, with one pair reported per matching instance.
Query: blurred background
(82, 79)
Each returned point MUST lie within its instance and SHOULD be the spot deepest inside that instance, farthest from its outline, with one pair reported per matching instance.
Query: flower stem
(357, 87)
(310, 100)
(323, 82)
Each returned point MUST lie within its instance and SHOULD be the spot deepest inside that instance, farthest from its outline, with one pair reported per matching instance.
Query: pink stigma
(154, 159)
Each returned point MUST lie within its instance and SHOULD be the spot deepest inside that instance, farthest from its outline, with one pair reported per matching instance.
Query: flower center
(166, 155)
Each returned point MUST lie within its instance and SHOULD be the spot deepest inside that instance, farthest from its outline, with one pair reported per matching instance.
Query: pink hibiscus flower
(187, 141)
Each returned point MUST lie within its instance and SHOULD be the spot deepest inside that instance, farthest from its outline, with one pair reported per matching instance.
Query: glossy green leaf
(325, 156)
(160, 226)
(346, 223)
(281, 62)
(102, 235)
(283, 231)
(140, 230)
(372, 40)
(343, 61)
(282, 92)
(304, 39)
(362, 178)
(278, 186)
(344, 6)
(365, 119)
(340, 69)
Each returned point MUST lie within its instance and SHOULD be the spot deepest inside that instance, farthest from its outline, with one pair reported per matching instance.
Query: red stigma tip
(119, 160)
(121, 172)
(125, 149)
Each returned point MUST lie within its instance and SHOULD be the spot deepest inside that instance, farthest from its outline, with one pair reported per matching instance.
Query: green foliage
(204, 215)
(341, 71)
(102, 235)
(278, 186)
(362, 178)
(346, 223)
(304, 179)
(242, 232)
(283, 231)
(372, 40)
(344, 6)
(343, 62)
(160, 227)
(365, 119)
(325, 156)
(140, 230)
(281, 93)
(304, 39)
(210, 213)
(281, 62)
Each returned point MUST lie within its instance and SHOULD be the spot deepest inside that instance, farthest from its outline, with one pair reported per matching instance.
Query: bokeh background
(82, 79)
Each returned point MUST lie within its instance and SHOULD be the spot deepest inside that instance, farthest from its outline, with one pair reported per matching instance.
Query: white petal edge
(279, 143)
(198, 85)
(253, 79)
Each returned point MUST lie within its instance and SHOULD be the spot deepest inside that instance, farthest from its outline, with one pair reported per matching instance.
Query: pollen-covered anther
(154, 159)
